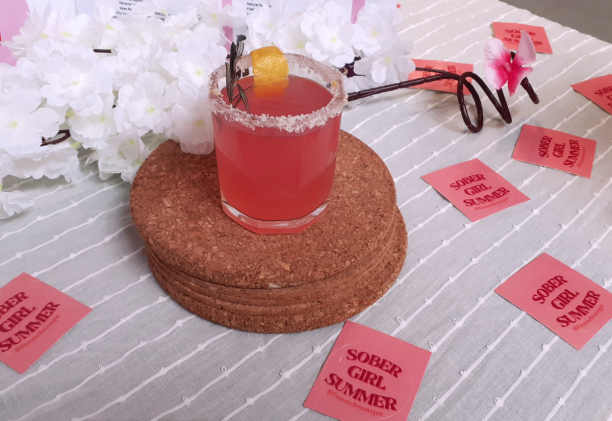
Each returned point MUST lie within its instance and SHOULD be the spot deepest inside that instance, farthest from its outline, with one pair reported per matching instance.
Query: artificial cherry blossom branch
(462, 80)
(502, 66)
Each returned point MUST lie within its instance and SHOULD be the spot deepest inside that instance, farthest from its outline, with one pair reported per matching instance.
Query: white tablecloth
(139, 356)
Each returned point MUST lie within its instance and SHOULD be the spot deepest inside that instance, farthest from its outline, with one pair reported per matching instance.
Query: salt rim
(298, 65)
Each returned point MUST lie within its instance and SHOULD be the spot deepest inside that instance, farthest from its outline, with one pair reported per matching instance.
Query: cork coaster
(269, 283)
(175, 203)
(282, 320)
(280, 303)
(276, 296)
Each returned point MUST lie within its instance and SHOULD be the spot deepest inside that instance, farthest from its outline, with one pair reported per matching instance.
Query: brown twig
(462, 80)
(65, 135)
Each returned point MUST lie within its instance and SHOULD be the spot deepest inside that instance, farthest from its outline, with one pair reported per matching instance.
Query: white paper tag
(242, 7)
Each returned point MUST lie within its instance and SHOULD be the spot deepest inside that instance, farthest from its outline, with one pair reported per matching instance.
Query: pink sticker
(475, 189)
(13, 14)
(563, 300)
(510, 35)
(441, 85)
(557, 150)
(368, 376)
(598, 90)
(33, 316)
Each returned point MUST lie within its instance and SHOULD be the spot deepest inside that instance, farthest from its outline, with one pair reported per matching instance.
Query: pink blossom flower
(501, 68)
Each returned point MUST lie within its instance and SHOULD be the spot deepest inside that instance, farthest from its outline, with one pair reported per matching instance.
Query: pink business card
(475, 189)
(33, 316)
(557, 150)
(441, 85)
(598, 90)
(368, 376)
(510, 35)
(563, 300)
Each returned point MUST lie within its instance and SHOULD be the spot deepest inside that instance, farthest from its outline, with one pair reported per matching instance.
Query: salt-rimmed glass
(276, 173)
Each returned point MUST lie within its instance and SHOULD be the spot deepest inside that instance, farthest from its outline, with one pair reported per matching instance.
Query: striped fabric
(140, 356)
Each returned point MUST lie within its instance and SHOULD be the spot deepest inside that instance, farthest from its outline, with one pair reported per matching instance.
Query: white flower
(140, 32)
(144, 105)
(124, 155)
(69, 73)
(290, 37)
(128, 64)
(330, 33)
(51, 24)
(31, 32)
(356, 83)
(192, 125)
(93, 130)
(22, 123)
(104, 29)
(376, 28)
(390, 65)
(12, 203)
(266, 20)
(6, 165)
(52, 161)
(24, 75)
(213, 16)
(183, 20)
(196, 59)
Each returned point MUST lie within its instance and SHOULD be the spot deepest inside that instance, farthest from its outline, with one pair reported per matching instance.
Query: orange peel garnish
(271, 71)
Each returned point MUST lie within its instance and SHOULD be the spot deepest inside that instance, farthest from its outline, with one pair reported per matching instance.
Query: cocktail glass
(276, 170)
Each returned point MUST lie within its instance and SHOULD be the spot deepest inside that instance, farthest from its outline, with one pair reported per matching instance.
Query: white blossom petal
(13, 203)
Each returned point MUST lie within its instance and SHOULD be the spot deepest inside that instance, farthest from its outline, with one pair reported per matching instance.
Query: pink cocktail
(276, 164)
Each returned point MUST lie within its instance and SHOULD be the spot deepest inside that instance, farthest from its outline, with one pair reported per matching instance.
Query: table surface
(139, 356)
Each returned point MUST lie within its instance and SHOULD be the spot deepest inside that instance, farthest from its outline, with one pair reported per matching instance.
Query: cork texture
(175, 203)
(269, 283)
(283, 318)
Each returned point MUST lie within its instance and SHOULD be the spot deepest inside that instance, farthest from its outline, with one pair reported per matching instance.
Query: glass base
(259, 226)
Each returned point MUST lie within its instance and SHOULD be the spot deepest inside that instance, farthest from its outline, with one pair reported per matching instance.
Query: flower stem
(462, 80)
(65, 135)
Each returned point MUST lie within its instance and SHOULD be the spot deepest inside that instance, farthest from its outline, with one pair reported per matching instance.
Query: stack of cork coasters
(269, 283)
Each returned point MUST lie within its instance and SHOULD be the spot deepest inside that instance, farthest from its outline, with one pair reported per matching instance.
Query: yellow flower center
(150, 110)
(13, 124)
